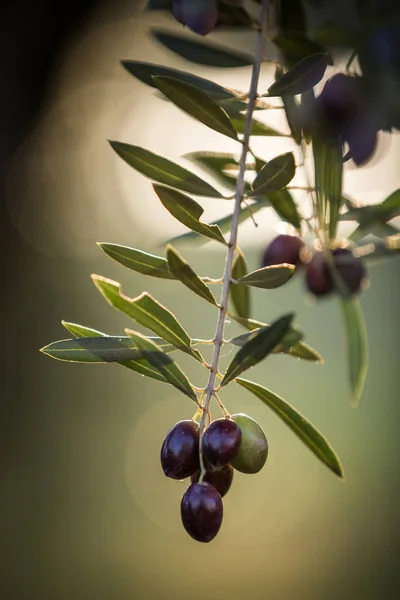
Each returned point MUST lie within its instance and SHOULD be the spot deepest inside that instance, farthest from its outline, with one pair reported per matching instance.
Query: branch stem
(239, 195)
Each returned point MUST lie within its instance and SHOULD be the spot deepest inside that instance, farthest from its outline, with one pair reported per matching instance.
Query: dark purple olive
(201, 511)
(200, 16)
(319, 279)
(177, 10)
(221, 442)
(180, 450)
(221, 478)
(283, 249)
(345, 113)
(350, 268)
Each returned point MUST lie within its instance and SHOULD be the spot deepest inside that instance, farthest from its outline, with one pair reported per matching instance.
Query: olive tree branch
(239, 195)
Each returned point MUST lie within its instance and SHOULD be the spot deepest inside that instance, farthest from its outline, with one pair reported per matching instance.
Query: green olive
(253, 449)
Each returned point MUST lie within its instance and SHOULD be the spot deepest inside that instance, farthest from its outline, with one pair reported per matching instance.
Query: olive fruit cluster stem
(219, 334)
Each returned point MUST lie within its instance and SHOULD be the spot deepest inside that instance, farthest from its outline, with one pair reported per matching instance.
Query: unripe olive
(253, 449)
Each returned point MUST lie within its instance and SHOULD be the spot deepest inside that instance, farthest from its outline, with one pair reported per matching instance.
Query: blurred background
(85, 511)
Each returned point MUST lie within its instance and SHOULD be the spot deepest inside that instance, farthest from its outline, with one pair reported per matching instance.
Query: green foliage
(239, 293)
(257, 348)
(162, 363)
(202, 53)
(188, 212)
(147, 311)
(182, 271)
(146, 72)
(158, 168)
(307, 433)
(267, 278)
(275, 175)
(357, 346)
(139, 261)
(302, 77)
(197, 104)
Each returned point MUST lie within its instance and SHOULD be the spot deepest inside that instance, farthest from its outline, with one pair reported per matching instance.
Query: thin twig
(219, 334)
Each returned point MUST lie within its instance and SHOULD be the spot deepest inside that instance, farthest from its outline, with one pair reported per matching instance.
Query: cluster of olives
(319, 277)
(201, 16)
(236, 442)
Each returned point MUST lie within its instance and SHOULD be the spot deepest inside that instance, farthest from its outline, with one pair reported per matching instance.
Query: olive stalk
(239, 195)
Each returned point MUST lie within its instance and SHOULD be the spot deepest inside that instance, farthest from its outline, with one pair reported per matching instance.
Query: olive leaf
(147, 311)
(216, 163)
(239, 293)
(285, 207)
(163, 170)
(275, 175)
(295, 46)
(357, 346)
(258, 128)
(188, 212)
(328, 167)
(141, 365)
(303, 76)
(201, 53)
(145, 71)
(308, 434)
(162, 363)
(182, 271)
(224, 224)
(137, 260)
(257, 348)
(105, 349)
(267, 278)
(299, 350)
(197, 104)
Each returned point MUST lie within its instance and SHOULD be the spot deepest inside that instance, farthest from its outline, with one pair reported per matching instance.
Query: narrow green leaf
(239, 104)
(145, 71)
(308, 434)
(163, 170)
(138, 261)
(239, 293)
(268, 278)
(216, 163)
(295, 46)
(292, 112)
(232, 14)
(299, 349)
(257, 127)
(275, 175)
(188, 212)
(182, 271)
(201, 53)
(106, 349)
(257, 348)
(357, 346)
(390, 207)
(328, 167)
(285, 207)
(303, 76)
(141, 366)
(162, 363)
(197, 104)
(148, 312)
(379, 230)
(224, 223)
